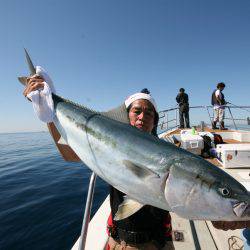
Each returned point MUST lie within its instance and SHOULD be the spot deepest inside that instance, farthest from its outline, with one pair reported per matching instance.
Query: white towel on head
(138, 96)
(42, 99)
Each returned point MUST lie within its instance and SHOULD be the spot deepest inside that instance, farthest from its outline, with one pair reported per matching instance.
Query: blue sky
(99, 52)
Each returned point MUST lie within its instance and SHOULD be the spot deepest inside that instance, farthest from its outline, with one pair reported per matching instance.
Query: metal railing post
(167, 119)
(176, 118)
(232, 118)
(209, 115)
(87, 212)
(163, 121)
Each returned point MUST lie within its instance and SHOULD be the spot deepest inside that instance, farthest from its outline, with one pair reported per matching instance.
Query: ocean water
(42, 196)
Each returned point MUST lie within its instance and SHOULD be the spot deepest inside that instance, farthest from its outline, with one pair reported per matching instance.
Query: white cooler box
(234, 155)
(192, 143)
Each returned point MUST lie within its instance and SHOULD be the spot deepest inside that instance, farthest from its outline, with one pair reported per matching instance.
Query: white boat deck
(97, 236)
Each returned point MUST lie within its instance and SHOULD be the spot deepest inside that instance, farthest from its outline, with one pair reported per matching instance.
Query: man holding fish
(175, 179)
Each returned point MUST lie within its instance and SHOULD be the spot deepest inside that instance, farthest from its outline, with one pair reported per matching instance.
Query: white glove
(42, 99)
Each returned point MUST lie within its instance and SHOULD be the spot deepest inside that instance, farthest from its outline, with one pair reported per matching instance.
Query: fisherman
(182, 100)
(150, 227)
(218, 102)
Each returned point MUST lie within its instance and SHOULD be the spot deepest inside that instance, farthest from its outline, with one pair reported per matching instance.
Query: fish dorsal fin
(119, 114)
(127, 208)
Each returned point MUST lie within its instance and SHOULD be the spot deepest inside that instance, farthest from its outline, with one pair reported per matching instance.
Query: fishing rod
(239, 107)
(248, 118)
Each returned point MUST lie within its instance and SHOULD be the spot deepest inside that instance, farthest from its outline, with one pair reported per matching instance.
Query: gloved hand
(39, 90)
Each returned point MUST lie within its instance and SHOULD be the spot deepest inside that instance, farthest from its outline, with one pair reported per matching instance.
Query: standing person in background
(218, 102)
(182, 100)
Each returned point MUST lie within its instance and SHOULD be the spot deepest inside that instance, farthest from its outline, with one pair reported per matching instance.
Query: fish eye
(225, 191)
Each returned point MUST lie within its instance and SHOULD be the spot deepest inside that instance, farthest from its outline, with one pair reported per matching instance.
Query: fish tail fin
(30, 63)
(23, 79)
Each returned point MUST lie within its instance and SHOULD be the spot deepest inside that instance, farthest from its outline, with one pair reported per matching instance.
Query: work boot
(214, 125)
(222, 127)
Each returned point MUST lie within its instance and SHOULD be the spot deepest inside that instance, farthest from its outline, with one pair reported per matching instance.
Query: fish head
(196, 189)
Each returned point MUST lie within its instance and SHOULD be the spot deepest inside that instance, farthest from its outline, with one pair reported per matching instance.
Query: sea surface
(42, 197)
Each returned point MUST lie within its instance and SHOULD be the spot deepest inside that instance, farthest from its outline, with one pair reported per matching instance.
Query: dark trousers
(184, 116)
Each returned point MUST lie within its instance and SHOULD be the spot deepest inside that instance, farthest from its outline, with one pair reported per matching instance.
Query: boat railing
(169, 118)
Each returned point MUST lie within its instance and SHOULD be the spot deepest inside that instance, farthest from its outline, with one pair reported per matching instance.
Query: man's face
(142, 115)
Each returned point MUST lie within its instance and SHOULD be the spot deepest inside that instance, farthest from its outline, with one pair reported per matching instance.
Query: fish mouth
(241, 209)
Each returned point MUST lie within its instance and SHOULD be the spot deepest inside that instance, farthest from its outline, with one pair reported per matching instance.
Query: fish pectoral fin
(23, 80)
(239, 208)
(119, 114)
(62, 141)
(139, 170)
(127, 208)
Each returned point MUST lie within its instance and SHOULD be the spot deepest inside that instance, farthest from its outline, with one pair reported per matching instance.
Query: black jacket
(182, 100)
(148, 219)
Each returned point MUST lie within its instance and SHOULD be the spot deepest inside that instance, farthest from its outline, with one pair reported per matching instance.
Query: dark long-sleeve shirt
(182, 98)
